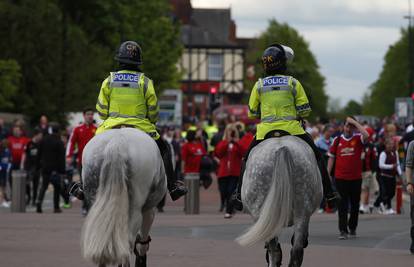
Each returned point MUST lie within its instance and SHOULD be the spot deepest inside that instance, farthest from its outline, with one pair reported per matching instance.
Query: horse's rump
(123, 170)
(281, 181)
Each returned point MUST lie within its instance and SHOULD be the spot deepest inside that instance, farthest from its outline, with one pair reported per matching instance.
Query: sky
(348, 37)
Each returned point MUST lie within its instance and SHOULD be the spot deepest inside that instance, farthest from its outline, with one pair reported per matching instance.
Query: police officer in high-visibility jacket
(127, 99)
(279, 101)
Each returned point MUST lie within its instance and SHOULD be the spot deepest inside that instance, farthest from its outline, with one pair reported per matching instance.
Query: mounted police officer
(127, 99)
(280, 101)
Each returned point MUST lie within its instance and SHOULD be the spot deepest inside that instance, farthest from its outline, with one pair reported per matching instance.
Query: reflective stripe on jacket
(277, 101)
(128, 97)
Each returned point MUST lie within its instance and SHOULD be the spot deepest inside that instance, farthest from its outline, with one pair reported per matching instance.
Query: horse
(281, 188)
(124, 179)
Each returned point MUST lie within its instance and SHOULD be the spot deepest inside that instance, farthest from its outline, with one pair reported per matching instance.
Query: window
(215, 67)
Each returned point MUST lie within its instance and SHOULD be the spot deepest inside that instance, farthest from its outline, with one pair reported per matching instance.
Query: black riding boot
(236, 198)
(332, 197)
(175, 187)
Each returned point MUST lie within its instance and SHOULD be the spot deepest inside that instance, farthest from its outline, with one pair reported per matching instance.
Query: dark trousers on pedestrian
(33, 177)
(350, 191)
(54, 178)
(379, 200)
(388, 190)
(227, 185)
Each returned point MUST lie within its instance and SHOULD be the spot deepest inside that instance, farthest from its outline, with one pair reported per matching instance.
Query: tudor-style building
(212, 58)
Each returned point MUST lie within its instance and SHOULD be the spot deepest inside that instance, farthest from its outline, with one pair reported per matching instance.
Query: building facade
(212, 59)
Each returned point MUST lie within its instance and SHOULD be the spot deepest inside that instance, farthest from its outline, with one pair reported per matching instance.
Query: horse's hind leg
(274, 253)
(300, 241)
(143, 239)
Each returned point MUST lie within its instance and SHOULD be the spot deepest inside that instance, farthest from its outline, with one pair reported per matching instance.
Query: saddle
(276, 133)
(120, 126)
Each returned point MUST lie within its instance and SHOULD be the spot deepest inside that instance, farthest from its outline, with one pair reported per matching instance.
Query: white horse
(124, 178)
(281, 187)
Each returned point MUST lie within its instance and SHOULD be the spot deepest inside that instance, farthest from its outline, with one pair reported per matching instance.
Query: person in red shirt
(346, 152)
(17, 142)
(79, 137)
(230, 152)
(191, 153)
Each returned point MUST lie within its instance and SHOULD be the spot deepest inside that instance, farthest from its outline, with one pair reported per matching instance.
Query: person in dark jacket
(52, 160)
(31, 164)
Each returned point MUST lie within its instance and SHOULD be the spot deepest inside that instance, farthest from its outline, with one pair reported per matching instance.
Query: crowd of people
(365, 161)
(48, 154)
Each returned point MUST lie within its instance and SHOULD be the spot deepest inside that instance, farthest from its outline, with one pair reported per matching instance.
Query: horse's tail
(105, 237)
(277, 206)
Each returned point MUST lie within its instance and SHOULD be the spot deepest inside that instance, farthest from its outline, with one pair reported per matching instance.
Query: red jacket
(80, 136)
(16, 146)
(230, 155)
(191, 154)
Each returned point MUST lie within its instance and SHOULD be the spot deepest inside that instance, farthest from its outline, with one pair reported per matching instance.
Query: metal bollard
(192, 198)
(18, 191)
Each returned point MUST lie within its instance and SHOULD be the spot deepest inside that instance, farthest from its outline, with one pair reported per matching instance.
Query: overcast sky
(348, 37)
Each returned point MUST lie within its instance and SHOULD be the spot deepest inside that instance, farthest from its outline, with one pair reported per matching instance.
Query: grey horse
(281, 188)
(124, 179)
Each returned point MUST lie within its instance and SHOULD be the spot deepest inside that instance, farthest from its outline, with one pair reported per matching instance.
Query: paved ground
(205, 240)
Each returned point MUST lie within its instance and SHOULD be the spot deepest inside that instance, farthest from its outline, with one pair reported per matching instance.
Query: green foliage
(352, 108)
(66, 48)
(392, 82)
(9, 82)
(304, 66)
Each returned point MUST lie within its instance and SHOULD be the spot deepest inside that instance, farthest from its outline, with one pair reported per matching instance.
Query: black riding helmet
(274, 59)
(129, 53)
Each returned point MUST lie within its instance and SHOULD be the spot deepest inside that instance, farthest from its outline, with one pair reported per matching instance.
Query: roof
(209, 28)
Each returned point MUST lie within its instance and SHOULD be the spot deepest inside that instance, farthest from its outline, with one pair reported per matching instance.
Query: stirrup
(333, 199)
(237, 202)
(178, 191)
(77, 191)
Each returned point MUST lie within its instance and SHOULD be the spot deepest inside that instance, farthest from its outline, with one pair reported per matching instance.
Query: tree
(392, 81)
(352, 108)
(66, 48)
(9, 82)
(304, 66)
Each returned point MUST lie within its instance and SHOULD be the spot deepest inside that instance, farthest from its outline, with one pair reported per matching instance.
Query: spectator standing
(323, 143)
(31, 164)
(389, 165)
(369, 159)
(52, 159)
(44, 125)
(5, 165)
(217, 137)
(3, 130)
(79, 137)
(230, 152)
(346, 152)
(409, 165)
(17, 142)
(192, 152)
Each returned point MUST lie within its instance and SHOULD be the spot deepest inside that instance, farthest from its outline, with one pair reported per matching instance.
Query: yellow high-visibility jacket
(278, 101)
(128, 97)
